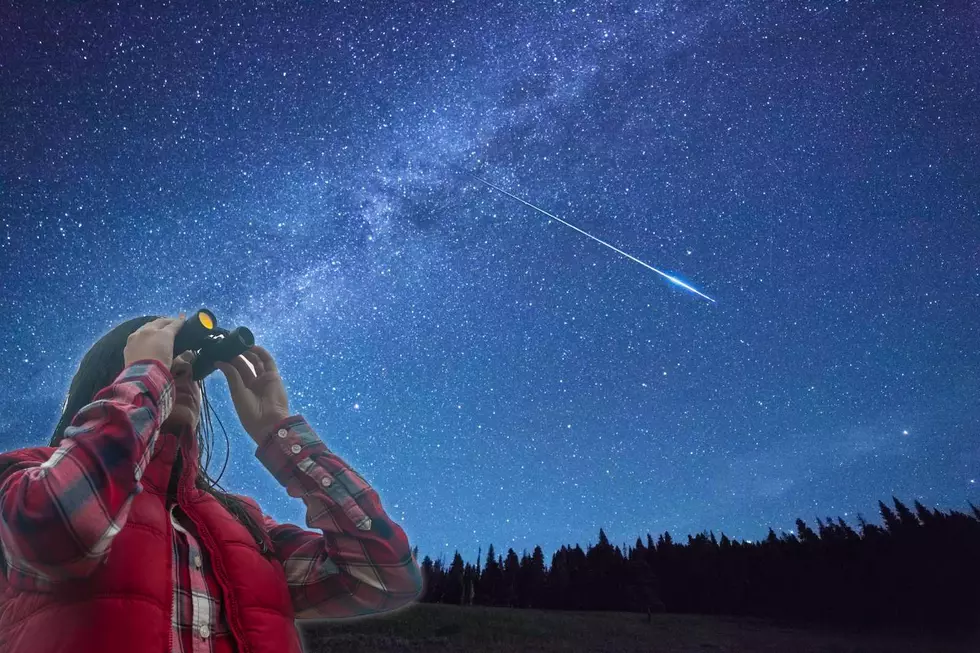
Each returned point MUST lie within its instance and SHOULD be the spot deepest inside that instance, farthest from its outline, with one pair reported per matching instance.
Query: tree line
(919, 566)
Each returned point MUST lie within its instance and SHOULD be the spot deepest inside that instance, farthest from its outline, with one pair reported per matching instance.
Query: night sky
(300, 168)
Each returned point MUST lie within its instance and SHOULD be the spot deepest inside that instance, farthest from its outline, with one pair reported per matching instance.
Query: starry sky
(301, 168)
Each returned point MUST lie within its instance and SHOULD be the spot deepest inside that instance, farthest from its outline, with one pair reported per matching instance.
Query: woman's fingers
(233, 374)
(265, 357)
(242, 367)
(255, 361)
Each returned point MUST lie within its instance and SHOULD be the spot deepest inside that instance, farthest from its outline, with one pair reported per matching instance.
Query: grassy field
(444, 628)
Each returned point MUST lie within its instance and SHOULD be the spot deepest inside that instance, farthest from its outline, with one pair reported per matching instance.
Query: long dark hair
(101, 365)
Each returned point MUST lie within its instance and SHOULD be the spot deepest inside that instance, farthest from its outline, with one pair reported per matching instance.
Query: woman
(114, 538)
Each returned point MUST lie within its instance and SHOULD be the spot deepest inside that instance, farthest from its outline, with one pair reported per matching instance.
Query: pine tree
(603, 573)
(559, 580)
(523, 582)
(455, 586)
(438, 578)
(806, 534)
(891, 521)
(532, 579)
(471, 578)
(924, 515)
(512, 569)
(427, 580)
(976, 511)
(491, 580)
(847, 532)
(771, 537)
(640, 588)
(869, 531)
(905, 516)
(580, 592)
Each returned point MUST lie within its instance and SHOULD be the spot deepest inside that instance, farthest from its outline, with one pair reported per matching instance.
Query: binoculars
(211, 344)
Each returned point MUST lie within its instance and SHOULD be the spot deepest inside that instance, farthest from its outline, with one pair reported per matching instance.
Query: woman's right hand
(154, 340)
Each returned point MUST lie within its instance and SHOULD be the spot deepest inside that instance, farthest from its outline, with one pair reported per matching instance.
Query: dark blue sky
(299, 168)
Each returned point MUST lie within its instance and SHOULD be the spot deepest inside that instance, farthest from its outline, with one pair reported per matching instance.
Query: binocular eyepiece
(200, 334)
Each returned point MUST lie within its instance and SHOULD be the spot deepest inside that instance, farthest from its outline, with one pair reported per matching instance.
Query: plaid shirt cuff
(291, 442)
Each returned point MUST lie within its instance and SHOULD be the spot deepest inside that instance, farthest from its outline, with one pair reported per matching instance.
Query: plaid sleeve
(362, 563)
(58, 516)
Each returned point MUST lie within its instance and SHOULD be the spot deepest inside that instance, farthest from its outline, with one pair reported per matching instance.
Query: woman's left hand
(259, 397)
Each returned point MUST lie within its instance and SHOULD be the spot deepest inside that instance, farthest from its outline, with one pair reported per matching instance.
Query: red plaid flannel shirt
(58, 518)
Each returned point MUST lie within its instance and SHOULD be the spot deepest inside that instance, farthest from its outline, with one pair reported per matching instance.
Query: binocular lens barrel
(195, 331)
(201, 334)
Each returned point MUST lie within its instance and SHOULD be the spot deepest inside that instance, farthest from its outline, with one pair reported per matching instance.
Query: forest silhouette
(919, 568)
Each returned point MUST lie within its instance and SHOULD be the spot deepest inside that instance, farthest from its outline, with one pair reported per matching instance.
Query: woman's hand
(154, 340)
(259, 397)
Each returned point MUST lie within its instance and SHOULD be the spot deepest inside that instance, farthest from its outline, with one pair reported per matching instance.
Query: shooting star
(666, 276)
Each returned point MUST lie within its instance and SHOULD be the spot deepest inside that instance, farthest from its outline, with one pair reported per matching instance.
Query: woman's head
(105, 361)
(100, 366)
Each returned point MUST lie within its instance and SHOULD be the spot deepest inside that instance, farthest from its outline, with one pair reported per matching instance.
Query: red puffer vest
(125, 606)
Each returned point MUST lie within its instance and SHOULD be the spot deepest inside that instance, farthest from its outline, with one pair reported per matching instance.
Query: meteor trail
(619, 251)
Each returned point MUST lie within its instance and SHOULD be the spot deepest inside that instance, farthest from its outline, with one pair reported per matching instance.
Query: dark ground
(444, 628)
